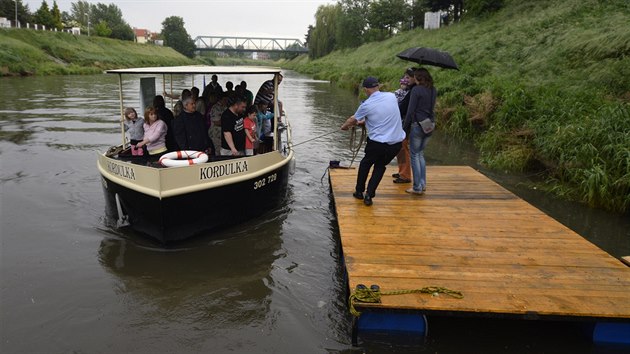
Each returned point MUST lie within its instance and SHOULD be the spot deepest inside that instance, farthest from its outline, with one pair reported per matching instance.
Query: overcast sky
(278, 18)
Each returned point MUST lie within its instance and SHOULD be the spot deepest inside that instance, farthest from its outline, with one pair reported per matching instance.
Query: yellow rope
(369, 296)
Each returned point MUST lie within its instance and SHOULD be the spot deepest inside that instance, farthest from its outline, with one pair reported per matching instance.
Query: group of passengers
(230, 122)
(398, 124)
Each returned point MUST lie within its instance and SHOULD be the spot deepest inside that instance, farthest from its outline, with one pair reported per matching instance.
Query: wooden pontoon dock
(469, 234)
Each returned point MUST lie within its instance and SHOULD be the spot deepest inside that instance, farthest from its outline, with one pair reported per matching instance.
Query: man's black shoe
(357, 195)
(402, 180)
(396, 175)
(367, 200)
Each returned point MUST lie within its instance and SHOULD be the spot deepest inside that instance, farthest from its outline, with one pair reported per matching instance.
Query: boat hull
(178, 217)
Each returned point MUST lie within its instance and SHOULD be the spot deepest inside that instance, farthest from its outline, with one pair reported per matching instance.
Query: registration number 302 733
(265, 181)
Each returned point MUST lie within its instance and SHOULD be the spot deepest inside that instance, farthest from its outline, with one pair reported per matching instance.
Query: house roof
(141, 32)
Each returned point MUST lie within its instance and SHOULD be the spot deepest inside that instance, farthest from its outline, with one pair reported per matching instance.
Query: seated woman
(154, 133)
(165, 115)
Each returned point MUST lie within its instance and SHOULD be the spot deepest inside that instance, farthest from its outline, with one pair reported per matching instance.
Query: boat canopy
(198, 69)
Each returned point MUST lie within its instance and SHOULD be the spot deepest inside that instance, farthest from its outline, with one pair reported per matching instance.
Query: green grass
(27, 52)
(543, 85)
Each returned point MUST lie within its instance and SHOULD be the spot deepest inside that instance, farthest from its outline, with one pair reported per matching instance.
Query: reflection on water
(71, 283)
(220, 283)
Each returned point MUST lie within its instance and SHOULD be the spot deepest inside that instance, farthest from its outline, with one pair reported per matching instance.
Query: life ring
(183, 158)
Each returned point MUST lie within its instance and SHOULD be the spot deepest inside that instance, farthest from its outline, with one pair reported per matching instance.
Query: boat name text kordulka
(122, 171)
(223, 170)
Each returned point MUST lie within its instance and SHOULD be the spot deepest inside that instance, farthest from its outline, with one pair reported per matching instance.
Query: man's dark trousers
(377, 155)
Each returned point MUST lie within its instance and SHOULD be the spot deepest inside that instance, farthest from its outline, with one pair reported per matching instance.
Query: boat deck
(469, 234)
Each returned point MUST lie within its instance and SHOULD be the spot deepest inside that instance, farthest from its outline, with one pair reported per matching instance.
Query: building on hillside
(74, 30)
(5, 23)
(435, 20)
(261, 56)
(142, 35)
(432, 20)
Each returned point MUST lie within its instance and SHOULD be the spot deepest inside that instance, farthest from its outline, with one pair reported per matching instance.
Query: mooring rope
(354, 147)
(371, 296)
(315, 138)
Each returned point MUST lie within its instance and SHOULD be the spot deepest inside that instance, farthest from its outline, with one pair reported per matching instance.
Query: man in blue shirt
(381, 115)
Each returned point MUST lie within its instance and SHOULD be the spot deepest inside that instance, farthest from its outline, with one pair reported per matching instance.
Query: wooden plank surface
(467, 233)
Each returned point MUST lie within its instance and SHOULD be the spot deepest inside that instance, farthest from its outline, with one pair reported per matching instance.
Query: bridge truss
(249, 44)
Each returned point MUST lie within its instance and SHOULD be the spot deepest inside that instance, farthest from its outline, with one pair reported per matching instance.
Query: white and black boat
(175, 203)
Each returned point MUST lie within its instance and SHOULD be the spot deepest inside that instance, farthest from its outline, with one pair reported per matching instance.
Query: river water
(71, 282)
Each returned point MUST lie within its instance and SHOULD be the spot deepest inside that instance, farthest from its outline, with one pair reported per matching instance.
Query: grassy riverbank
(544, 86)
(29, 52)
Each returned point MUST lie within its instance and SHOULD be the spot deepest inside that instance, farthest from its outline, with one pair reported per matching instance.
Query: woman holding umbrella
(420, 123)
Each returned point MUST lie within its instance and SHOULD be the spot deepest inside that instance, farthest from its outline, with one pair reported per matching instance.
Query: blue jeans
(417, 142)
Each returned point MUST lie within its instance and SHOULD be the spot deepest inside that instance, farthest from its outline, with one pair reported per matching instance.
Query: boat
(172, 204)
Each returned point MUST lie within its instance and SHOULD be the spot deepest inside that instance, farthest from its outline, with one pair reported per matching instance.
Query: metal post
(122, 111)
(171, 97)
(16, 14)
(164, 86)
(275, 112)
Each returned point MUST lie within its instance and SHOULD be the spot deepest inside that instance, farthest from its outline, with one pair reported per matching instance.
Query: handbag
(427, 126)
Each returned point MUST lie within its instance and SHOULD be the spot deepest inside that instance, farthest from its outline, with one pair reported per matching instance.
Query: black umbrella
(429, 56)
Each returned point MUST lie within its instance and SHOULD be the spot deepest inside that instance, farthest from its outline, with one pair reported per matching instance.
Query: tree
(418, 8)
(43, 16)
(453, 7)
(387, 16)
(80, 12)
(471, 8)
(294, 46)
(112, 15)
(176, 36)
(122, 31)
(102, 29)
(65, 18)
(477, 8)
(7, 9)
(56, 16)
(352, 23)
(323, 40)
(240, 51)
(307, 36)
